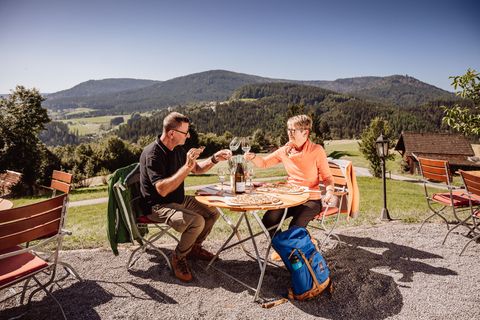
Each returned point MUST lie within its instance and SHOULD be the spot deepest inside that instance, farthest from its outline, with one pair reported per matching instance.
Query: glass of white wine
(234, 144)
(246, 145)
(221, 172)
(250, 174)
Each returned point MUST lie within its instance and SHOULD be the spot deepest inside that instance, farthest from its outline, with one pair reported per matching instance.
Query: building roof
(452, 147)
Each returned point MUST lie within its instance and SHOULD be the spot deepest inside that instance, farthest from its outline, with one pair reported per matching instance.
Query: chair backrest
(435, 170)
(338, 176)
(132, 182)
(31, 222)
(8, 180)
(340, 184)
(61, 181)
(128, 198)
(471, 182)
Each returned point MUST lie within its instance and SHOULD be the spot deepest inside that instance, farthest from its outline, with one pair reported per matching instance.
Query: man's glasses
(185, 133)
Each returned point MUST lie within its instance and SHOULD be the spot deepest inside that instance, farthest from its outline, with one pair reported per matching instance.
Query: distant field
(351, 146)
(79, 111)
(91, 125)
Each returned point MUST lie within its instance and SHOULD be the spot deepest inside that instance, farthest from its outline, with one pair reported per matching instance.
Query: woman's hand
(249, 156)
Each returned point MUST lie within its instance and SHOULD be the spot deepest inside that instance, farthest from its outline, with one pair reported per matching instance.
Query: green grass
(91, 125)
(88, 225)
(79, 111)
(350, 146)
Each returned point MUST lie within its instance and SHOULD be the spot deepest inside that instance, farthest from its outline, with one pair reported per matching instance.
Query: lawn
(352, 148)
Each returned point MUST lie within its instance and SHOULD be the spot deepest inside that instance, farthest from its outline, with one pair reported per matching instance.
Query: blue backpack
(308, 269)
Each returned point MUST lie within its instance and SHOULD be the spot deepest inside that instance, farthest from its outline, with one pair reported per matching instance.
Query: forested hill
(212, 85)
(267, 106)
(109, 97)
(398, 90)
(99, 87)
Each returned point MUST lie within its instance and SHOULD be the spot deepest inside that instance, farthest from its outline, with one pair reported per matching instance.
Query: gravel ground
(388, 271)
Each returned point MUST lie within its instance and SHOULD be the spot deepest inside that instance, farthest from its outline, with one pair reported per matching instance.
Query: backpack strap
(309, 266)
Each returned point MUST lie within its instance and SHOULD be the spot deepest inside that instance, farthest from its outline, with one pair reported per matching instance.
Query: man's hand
(192, 156)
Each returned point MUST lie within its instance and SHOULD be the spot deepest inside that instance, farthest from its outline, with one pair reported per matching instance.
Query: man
(164, 165)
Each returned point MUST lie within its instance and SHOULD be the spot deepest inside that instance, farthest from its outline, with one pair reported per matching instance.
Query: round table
(288, 200)
(5, 204)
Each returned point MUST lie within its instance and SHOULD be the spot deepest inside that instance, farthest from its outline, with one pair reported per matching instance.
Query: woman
(306, 165)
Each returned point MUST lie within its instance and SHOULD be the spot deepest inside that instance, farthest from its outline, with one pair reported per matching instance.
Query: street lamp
(382, 151)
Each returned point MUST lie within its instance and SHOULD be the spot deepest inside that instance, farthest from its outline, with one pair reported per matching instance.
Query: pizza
(281, 187)
(255, 199)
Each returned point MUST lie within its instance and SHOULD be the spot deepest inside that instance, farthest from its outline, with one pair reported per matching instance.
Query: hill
(266, 106)
(99, 87)
(211, 85)
(128, 95)
(397, 89)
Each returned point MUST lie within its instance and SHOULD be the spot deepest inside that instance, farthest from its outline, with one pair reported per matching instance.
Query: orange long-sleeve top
(306, 168)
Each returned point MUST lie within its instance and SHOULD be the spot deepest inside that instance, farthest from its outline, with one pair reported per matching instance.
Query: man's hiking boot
(181, 269)
(199, 253)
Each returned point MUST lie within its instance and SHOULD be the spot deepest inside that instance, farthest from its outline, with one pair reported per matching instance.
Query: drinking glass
(250, 175)
(221, 172)
(246, 144)
(234, 144)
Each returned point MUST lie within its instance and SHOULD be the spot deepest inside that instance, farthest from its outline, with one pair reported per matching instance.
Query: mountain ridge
(218, 85)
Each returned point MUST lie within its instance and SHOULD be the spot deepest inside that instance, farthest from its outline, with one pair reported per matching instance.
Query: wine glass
(221, 172)
(234, 144)
(250, 175)
(246, 146)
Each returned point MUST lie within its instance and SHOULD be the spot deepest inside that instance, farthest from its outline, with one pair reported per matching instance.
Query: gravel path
(386, 271)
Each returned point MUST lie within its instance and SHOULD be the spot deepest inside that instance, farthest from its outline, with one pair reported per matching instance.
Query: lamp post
(382, 151)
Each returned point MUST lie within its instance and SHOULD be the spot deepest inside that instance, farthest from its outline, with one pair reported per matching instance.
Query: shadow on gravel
(360, 292)
(364, 283)
(78, 300)
(247, 270)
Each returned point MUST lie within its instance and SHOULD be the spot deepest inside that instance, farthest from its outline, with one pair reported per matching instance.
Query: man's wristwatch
(212, 158)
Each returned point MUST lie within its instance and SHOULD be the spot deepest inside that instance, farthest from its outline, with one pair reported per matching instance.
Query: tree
(22, 118)
(462, 119)
(367, 144)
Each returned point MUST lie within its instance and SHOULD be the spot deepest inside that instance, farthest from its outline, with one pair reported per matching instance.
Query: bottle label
(240, 187)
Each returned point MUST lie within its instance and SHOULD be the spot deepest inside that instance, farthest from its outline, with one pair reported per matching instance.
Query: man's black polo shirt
(158, 162)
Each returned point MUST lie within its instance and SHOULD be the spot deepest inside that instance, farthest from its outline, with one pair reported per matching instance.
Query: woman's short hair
(174, 120)
(301, 122)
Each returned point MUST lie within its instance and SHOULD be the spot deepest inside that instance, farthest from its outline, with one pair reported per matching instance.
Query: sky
(55, 45)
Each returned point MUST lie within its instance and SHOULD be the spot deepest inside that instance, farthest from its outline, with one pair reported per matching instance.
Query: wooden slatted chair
(472, 185)
(333, 209)
(61, 181)
(128, 197)
(436, 173)
(42, 220)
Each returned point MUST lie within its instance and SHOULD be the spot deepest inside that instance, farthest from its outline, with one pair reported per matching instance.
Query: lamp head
(382, 146)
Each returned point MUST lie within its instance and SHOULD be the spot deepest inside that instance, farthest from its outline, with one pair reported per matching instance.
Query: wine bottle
(239, 181)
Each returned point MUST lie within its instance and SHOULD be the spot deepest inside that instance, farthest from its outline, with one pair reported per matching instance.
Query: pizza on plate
(281, 188)
(255, 199)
